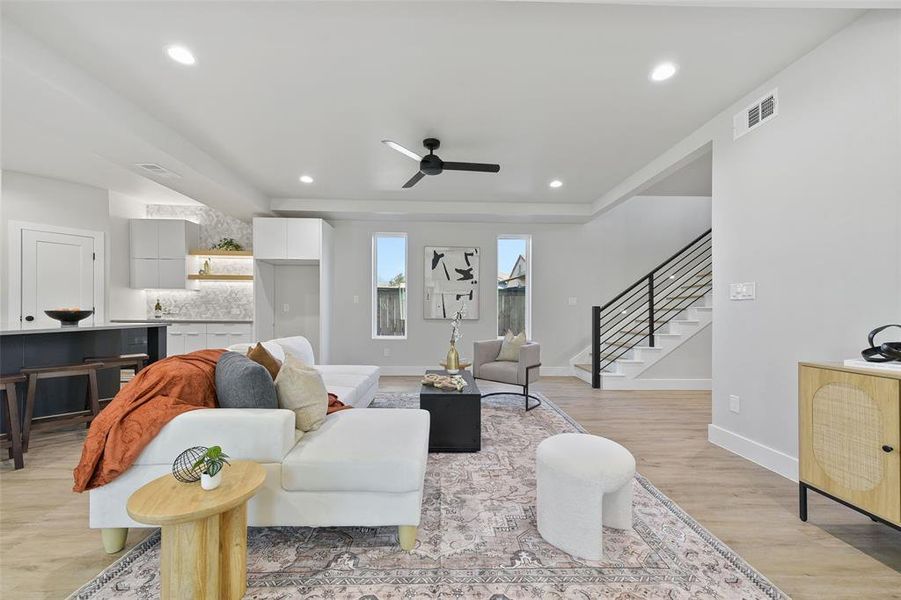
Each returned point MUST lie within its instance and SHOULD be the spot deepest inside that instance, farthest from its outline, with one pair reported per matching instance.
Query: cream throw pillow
(300, 389)
(511, 345)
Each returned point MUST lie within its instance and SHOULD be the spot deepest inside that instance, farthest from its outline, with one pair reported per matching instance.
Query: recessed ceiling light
(306, 179)
(180, 54)
(555, 183)
(663, 71)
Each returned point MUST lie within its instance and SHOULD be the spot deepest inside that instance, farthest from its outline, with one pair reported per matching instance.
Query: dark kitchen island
(23, 346)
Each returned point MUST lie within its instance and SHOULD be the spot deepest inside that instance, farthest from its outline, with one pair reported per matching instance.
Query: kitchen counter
(167, 320)
(29, 329)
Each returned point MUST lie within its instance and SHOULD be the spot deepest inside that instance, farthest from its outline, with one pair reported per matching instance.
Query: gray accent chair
(520, 373)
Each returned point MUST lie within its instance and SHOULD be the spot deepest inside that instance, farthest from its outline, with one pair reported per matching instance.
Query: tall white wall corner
(768, 458)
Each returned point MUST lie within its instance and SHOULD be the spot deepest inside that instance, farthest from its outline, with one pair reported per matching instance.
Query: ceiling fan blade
(405, 151)
(414, 180)
(465, 166)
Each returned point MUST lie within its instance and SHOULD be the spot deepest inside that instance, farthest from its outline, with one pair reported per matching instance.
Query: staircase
(649, 319)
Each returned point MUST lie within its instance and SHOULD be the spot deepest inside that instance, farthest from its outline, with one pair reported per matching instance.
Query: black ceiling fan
(430, 164)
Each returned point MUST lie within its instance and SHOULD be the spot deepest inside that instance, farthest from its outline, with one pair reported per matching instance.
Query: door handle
(887, 448)
(29, 318)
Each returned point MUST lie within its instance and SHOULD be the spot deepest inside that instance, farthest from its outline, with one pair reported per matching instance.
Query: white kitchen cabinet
(278, 239)
(144, 238)
(172, 273)
(175, 237)
(303, 237)
(187, 337)
(269, 239)
(175, 340)
(159, 253)
(145, 273)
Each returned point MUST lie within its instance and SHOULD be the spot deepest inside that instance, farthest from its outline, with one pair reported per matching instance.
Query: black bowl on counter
(68, 317)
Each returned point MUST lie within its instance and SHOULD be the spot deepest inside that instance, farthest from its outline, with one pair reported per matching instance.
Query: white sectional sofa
(362, 467)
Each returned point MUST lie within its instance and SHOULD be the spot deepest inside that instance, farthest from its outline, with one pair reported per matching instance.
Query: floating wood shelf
(220, 277)
(223, 253)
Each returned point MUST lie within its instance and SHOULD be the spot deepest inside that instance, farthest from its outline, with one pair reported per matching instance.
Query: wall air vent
(755, 115)
(157, 170)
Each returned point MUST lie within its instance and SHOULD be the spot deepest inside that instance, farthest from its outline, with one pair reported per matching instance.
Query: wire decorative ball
(183, 468)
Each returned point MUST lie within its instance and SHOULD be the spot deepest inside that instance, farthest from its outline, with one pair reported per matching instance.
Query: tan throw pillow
(259, 354)
(300, 388)
(510, 346)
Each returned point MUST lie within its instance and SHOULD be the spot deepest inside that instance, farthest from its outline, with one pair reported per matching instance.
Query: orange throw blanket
(156, 395)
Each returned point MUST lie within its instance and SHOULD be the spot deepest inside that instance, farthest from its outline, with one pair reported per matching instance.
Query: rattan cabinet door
(849, 438)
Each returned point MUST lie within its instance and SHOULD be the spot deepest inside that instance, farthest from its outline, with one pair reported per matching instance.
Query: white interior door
(57, 272)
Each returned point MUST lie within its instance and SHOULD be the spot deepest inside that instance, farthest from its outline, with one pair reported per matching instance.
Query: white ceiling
(548, 90)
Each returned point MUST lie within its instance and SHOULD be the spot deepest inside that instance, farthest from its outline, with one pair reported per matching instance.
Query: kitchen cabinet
(278, 239)
(190, 337)
(159, 253)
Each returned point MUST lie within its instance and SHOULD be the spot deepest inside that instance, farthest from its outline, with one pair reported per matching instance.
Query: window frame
(528, 256)
(374, 286)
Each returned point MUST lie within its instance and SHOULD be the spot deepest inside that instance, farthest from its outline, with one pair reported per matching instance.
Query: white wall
(124, 302)
(592, 262)
(50, 202)
(809, 207)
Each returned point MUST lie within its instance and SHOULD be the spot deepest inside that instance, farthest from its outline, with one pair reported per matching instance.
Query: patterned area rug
(478, 539)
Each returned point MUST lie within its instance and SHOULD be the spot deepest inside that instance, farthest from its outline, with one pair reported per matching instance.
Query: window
(514, 298)
(389, 283)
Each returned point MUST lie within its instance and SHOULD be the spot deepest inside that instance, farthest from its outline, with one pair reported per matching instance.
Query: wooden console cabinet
(850, 438)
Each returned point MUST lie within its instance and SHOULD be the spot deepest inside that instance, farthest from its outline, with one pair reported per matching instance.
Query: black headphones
(887, 352)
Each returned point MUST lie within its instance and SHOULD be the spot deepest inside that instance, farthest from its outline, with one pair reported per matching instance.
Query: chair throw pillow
(300, 388)
(242, 383)
(259, 354)
(510, 346)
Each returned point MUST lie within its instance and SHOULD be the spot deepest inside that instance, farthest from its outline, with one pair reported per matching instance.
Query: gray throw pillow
(243, 383)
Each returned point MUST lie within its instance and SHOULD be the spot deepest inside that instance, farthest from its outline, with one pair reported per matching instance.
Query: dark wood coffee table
(456, 417)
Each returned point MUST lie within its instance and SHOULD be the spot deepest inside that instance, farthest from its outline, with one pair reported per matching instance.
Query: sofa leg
(407, 536)
(114, 538)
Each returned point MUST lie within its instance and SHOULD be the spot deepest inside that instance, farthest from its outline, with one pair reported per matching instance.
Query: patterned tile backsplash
(215, 300)
(214, 225)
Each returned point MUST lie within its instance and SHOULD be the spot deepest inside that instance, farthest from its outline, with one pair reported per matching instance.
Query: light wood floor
(47, 550)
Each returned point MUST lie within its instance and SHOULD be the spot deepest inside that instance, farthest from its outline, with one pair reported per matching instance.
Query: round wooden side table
(204, 533)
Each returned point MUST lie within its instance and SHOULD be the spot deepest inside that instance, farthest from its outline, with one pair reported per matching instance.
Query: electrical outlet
(572, 301)
(387, 351)
(734, 403)
(356, 299)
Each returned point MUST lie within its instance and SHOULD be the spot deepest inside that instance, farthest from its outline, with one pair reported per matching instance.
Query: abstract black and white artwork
(451, 282)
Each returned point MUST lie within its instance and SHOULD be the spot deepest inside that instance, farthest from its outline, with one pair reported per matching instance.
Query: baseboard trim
(766, 457)
(656, 384)
(416, 371)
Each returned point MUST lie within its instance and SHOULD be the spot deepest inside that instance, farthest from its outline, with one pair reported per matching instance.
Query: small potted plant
(212, 462)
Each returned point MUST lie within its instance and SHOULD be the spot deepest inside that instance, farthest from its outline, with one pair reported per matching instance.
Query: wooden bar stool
(13, 437)
(83, 416)
(119, 362)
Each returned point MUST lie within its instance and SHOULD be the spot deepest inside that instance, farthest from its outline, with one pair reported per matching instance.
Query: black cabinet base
(802, 505)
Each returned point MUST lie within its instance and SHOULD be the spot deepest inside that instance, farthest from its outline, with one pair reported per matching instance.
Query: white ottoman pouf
(584, 483)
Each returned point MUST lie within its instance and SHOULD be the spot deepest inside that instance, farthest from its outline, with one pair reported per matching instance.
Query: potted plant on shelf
(212, 462)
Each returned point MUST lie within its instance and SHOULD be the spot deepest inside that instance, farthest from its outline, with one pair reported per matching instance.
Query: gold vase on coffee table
(452, 363)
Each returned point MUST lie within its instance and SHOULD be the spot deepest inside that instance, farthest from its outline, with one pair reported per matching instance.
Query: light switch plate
(572, 301)
(734, 403)
(356, 299)
(743, 291)
(387, 351)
